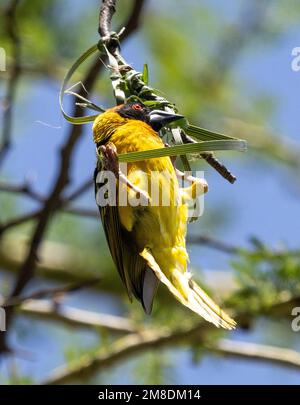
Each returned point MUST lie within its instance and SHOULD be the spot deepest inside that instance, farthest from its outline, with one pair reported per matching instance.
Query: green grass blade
(86, 103)
(74, 67)
(145, 76)
(177, 150)
(205, 134)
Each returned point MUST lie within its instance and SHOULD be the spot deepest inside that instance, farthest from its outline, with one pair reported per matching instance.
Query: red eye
(137, 107)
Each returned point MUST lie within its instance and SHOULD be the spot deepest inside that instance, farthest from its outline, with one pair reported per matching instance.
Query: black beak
(158, 119)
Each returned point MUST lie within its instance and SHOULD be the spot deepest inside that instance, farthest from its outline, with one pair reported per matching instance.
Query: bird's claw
(110, 158)
(202, 183)
(110, 162)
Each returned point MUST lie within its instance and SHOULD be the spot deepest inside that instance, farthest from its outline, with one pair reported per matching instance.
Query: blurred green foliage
(191, 50)
(265, 277)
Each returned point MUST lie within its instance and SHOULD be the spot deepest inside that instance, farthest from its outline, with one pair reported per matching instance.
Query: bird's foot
(110, 158)
(202, 183)
(110, 162)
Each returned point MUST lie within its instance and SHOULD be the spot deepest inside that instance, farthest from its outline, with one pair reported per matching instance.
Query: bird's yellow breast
(160, 225)
(138, 136)
(163, 222)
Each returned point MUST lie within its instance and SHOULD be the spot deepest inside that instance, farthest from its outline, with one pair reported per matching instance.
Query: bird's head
(106, 123)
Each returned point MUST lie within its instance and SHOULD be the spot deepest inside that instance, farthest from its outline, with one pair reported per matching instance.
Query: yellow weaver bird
(147, 241)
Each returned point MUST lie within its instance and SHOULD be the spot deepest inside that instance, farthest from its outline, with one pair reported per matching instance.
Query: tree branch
(77, 318)
(213, 243)
(82, 212)
(24, 189)
(107, 11)
(18, 221)
(254, 351)
(83, 188)
(119, 351)
(136, 343)
(53, 293)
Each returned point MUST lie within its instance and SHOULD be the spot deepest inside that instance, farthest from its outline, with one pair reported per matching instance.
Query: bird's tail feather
(190, 294)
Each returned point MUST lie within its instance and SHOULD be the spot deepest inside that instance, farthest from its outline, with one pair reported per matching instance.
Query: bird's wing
(134, 271)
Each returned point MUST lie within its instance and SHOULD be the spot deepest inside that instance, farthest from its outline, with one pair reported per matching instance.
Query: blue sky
(261, 201)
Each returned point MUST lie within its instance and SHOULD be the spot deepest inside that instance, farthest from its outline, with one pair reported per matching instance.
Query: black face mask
(135, 111)
(157, 119)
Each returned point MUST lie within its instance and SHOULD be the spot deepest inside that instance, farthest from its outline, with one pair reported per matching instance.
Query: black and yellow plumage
(147, 243)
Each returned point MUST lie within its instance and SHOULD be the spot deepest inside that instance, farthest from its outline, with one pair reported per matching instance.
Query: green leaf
(199, 147)
(205, 134)
(87, 103)
(145, 76)
(74, 67)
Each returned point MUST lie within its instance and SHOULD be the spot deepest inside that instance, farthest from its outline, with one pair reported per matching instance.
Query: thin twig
(215, 163)
(83, 188)
(213, 243)
(28, 191)
(77, 318)
(254, 351)
(24, 189)
(18, 221)
(33, 215)
(81, 212)
(51, 292)
(211, 159)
